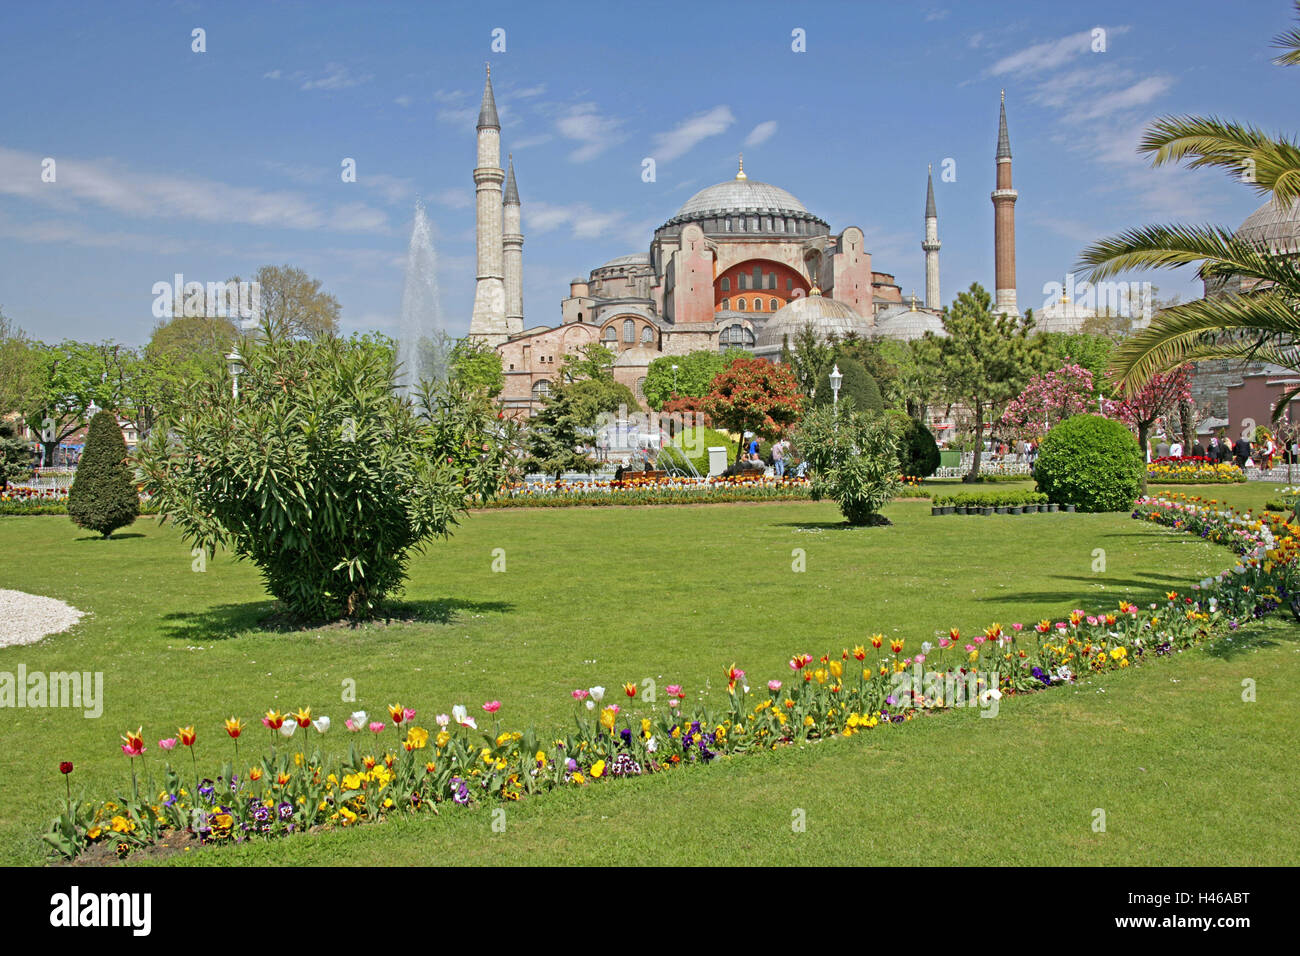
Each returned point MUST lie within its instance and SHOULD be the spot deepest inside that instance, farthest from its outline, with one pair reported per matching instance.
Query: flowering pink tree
(1048, 399)
(1158, 397)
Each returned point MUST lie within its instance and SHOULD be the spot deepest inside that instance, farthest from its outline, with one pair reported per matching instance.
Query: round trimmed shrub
(918, 452)
(1090, 462)
(103, 496)
(858, 385)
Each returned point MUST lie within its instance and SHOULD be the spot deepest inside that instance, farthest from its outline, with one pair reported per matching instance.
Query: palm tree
(1259, 321)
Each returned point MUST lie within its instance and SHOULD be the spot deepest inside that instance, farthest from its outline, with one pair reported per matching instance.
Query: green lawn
(1185, 771)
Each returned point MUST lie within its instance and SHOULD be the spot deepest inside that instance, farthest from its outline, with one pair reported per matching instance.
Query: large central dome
(740, 195)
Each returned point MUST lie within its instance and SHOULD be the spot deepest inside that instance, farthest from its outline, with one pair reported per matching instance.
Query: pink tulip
(579, 694)
(377, 726)
(774, 685)
(408, 715)
(492, 706)
(167, 744)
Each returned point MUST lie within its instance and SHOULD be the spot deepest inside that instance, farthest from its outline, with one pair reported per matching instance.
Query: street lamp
(836, 378)
(236, 365)
(674, 379)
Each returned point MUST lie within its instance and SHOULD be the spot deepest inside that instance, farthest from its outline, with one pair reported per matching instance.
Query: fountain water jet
(422, 340)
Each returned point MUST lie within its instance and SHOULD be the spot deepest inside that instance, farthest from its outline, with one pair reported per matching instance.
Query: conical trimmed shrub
(103, 496)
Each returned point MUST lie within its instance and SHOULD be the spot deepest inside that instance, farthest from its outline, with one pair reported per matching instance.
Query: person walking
(778, 459)
(1241, 452)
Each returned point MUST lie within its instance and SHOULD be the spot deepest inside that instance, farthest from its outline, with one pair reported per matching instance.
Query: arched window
(629, 330)
(740, 304)
(647, 336)
(774, 304)
(611, 334)
(640, 387)
(726, 284)
(726, 303)
(728, 228)
(541, 388)
(758, 304)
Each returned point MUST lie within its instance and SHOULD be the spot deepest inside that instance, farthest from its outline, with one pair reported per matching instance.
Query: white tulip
(321, 724)
(288, 727)
(597, 694)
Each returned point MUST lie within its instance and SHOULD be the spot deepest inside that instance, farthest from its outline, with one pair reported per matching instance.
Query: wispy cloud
(594, 131)
(689, 133)
(1051, 54)
(105, 184)
(335, 77)
(761, 133)
(583, 221)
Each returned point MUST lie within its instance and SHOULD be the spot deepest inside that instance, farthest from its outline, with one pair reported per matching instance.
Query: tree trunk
(1186, 415)
(1143, 428)
(974, 473)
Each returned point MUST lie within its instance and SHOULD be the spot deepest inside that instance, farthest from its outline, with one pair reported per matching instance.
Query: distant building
(742, 264)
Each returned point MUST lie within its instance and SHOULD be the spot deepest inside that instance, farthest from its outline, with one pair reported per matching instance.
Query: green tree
(1260, 318)
(1089, 351)
(985, 360)
(555, 437)
(292, 301)
(857, 384)
(20, 369)
(754, 395)
(103, 496)
(692, 378)
(74, 376)
(852, 458)
(319, 473)
(809, 358)
(477, 367)
(15, 456)
(587, 378)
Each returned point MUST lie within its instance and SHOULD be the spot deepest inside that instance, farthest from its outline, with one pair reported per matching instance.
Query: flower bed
(395, 766)
(48, 501)
(649, 491)
(1192, 470)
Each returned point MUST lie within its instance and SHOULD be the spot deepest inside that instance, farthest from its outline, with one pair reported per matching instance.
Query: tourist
(1162, 447)
(1197, 450)
(1241, 452)
(778, 459)
(1176, 450)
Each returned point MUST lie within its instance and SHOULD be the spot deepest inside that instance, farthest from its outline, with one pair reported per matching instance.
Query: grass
(675, 594)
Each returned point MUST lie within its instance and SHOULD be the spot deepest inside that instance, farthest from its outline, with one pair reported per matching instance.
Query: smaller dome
(634, 357)
(826, 317)
(1273, 228)
(635, 259)
(906, 324)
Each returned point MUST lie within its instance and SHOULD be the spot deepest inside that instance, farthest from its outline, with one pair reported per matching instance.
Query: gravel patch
(26, 618)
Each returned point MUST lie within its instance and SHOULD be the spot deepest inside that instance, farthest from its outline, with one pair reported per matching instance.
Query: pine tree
(103, 496)
(555, 433)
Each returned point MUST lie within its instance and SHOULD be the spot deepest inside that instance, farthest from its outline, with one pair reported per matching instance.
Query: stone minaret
(1004, 223)
(931, 246)
(513, 255)
(488, 323)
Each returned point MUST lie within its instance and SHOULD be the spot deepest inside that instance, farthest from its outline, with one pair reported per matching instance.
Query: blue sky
(212, 164)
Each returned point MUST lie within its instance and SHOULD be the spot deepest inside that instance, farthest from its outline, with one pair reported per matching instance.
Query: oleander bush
(1090, 462)
(918, 452)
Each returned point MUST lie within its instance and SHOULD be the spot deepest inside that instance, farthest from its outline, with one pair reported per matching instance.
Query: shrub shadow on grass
(111, 537)
(224, 621)
(1274, 631)
(832, 525)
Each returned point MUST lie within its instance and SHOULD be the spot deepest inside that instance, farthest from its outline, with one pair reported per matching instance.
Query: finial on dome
(1004, 95)
(489, 68)
(814, 291)
(913, 300)
(741, 173)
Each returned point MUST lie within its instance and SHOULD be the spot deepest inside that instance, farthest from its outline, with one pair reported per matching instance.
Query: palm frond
(1279, 409)
(1171, 246)
(1289, 43)
(1261, 325)
(1269, 165)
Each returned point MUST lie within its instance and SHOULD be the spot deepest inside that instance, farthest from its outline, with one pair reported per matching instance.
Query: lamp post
(236, 365)
(674, 380)
(836, 378)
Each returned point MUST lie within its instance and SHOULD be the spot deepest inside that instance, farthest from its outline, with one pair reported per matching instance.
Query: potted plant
(1070, 508)
(1053, 507)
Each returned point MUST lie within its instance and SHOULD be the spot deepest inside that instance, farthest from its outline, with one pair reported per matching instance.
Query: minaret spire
(741, 173)
(488, 322)
(931, 246)
(512, 242)
(1004, 222)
